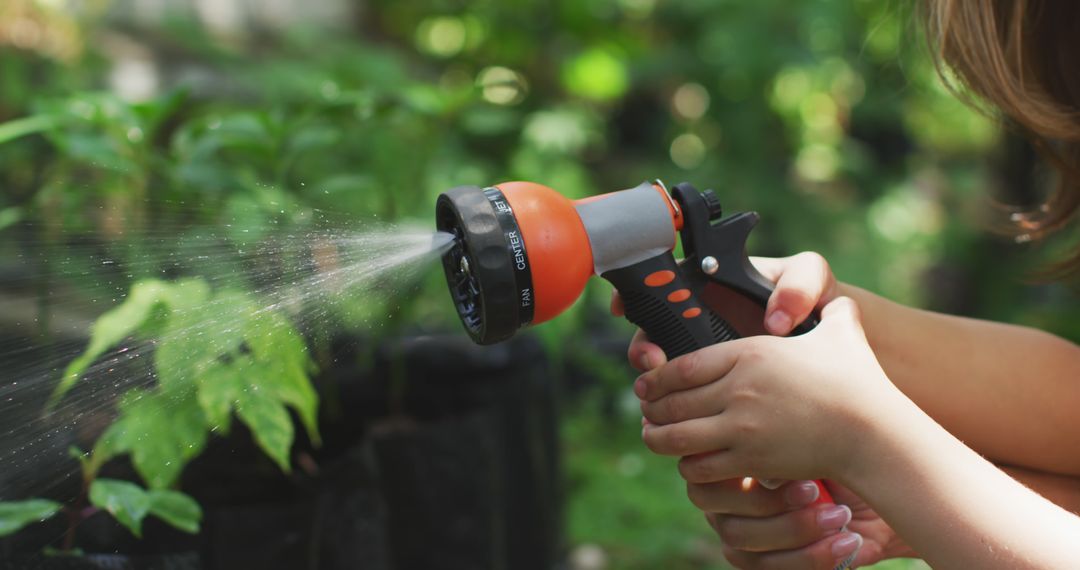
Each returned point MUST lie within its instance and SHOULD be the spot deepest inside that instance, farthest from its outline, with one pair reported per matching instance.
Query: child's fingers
(733, 497)
(700, 435)
(682, 405)
(689, 370)
(617, 308)
(644, 355)
(822, 555)
(786, 531)
(736, 497)
(805, 283)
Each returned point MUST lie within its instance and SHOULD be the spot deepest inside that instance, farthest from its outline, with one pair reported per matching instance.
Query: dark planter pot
(466, 455)
(441, 455)
(181, 561)
(437, 454)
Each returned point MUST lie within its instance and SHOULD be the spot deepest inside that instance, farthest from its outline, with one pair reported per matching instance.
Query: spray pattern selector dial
(712, 203)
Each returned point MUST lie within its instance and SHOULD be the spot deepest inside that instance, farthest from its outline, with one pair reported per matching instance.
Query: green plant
(215, 354)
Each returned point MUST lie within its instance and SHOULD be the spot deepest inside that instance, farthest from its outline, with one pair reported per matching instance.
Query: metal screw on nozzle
(710, 265)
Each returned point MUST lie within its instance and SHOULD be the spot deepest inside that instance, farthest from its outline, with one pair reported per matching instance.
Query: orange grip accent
(660, 278)
(691, 313)
(679, 295)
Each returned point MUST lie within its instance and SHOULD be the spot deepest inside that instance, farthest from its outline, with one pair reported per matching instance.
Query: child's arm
(1009, 392)
(767, 528)
(982, 381)
(820, 405)
(952, 506)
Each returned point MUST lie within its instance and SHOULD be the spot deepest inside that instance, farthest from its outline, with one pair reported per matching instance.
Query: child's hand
(768, 407)
(763, 528)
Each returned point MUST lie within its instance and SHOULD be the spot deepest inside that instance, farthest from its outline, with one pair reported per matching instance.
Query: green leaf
(125, 319)
(312, 137)
(17, 514)
(111, 328)
(125, 501)
(214, 355)
(195, 340)
(98, 150)
(270, 424)
(249, 220)
(274, 341)
(10, 216)
(109, 445)
(12, 130)
(182, 295)
(177, 509)
(598, 73)
(162, 432)
(218, 391)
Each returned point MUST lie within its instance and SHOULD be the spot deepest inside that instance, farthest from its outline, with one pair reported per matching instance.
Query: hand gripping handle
(659, 298)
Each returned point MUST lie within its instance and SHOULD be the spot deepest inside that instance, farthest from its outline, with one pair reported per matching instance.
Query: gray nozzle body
(627, 227)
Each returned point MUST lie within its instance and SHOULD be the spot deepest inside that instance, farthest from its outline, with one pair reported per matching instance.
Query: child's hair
(1023, 57)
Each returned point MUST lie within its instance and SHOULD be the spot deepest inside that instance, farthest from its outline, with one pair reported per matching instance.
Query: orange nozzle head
(520, 256)
(522, 252)
(556, 242)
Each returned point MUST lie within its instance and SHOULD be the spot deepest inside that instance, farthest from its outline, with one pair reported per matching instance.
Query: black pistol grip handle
(659, 299)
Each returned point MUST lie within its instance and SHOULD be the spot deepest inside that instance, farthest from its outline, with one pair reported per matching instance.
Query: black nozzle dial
(483, 266)
(712, 203)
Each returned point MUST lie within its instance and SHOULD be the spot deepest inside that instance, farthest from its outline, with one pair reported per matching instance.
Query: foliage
(16, 514)
(130, 504)
(215, 353)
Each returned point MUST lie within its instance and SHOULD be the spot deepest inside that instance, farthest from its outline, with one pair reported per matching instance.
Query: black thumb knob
(712, 202)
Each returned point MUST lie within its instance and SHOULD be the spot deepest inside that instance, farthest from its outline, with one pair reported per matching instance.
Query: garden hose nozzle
(522, 254)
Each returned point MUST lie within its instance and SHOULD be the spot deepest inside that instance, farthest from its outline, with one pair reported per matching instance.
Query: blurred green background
(827, 116)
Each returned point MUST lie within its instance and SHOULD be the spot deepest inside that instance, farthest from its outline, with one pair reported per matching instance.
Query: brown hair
(1022, 57)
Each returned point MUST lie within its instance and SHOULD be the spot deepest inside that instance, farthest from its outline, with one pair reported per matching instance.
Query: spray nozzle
(480, 268)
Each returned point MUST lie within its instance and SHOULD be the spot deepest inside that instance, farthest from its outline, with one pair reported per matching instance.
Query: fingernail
(639, 387)
(778, 322)
(771, 484)
(834, 517)
(847, 545)
(802, 493)
(646, 362)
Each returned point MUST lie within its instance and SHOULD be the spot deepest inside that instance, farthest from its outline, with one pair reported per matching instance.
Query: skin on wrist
(951, 505)
(982, 381)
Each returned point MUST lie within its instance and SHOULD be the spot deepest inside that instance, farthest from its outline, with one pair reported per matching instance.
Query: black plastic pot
(437, 454)
(473, 480)
(181, 561)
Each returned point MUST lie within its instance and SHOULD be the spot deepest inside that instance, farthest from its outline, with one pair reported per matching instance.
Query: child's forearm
(984, 382)
(968, 513)
(1062, 490)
